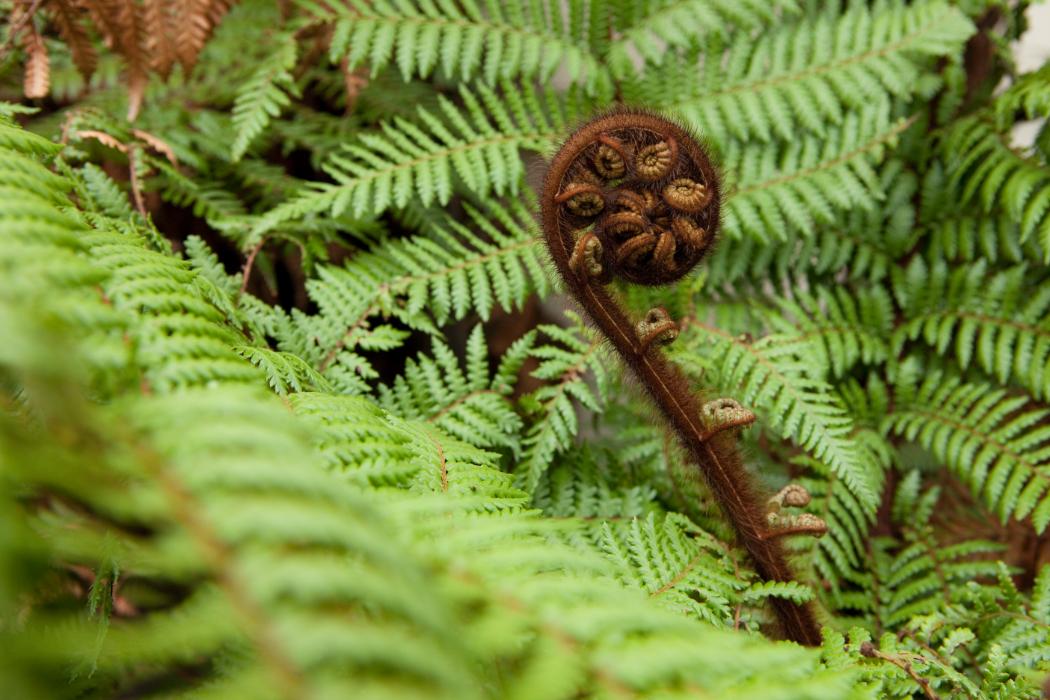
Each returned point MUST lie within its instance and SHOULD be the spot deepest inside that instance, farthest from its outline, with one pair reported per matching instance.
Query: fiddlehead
(633, 195)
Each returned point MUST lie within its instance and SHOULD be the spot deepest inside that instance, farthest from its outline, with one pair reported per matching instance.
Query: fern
(289, 406)
(950, 310)
(984, 168)
(682, 23)
(789, 190)
(773, 375)
(981, 433)
(566, 362)
(805, 74)
(264, 95)
(478, 146)
(468, 405)
(496, 42)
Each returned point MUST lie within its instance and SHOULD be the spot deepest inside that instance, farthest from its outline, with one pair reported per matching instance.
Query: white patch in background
(1031, 52)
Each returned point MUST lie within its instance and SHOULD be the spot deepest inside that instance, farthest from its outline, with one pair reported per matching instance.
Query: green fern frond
(806, 74)
(421, 281)
(476, 145)
(775, 375)
(992, 441)
(859, 243)
(286, 373)
(654, 29)
(839, 557)
(265, 94)
(984, 168)
(1029, 95)
(843, 327)
(994, 321)
(470, 405)
(787, 191)
(567, 360)
(497, 41)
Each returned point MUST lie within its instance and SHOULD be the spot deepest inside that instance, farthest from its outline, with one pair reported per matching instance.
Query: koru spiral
(635, 196)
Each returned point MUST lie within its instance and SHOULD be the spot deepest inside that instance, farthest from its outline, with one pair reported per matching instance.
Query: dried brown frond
(68, 17)
(103, 138)
(159, 17)
(106, 16)
(150, 35)
(36, 81)
(354, 81)
(134, 51)
(122, 27)
(156, 144)
(195, 22)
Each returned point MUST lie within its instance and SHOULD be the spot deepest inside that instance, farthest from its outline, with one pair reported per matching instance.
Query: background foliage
(290, 409)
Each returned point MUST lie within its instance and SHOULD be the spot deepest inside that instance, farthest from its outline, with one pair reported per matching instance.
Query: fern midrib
(442, 465)
(873, 143)
(459, 402)
(679, 577)
(983, 319)
(407, 280)
(356, 325)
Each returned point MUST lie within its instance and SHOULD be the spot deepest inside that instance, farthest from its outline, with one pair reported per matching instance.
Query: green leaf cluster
(290, 405)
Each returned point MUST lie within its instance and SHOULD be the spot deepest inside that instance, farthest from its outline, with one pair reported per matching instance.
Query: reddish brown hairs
(634, 195)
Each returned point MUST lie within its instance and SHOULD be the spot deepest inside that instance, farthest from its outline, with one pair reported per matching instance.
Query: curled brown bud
(654, 162)
(609, 162)
(686, 195)
(725, 414)
(656, 328)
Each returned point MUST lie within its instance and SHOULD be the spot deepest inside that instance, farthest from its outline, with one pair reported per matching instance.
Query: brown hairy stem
(634, 195)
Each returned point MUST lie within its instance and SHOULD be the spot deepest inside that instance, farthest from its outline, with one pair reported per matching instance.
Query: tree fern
(951, 310)
(290, 406)
(567, 361)
(988, 170)
(683, 23)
